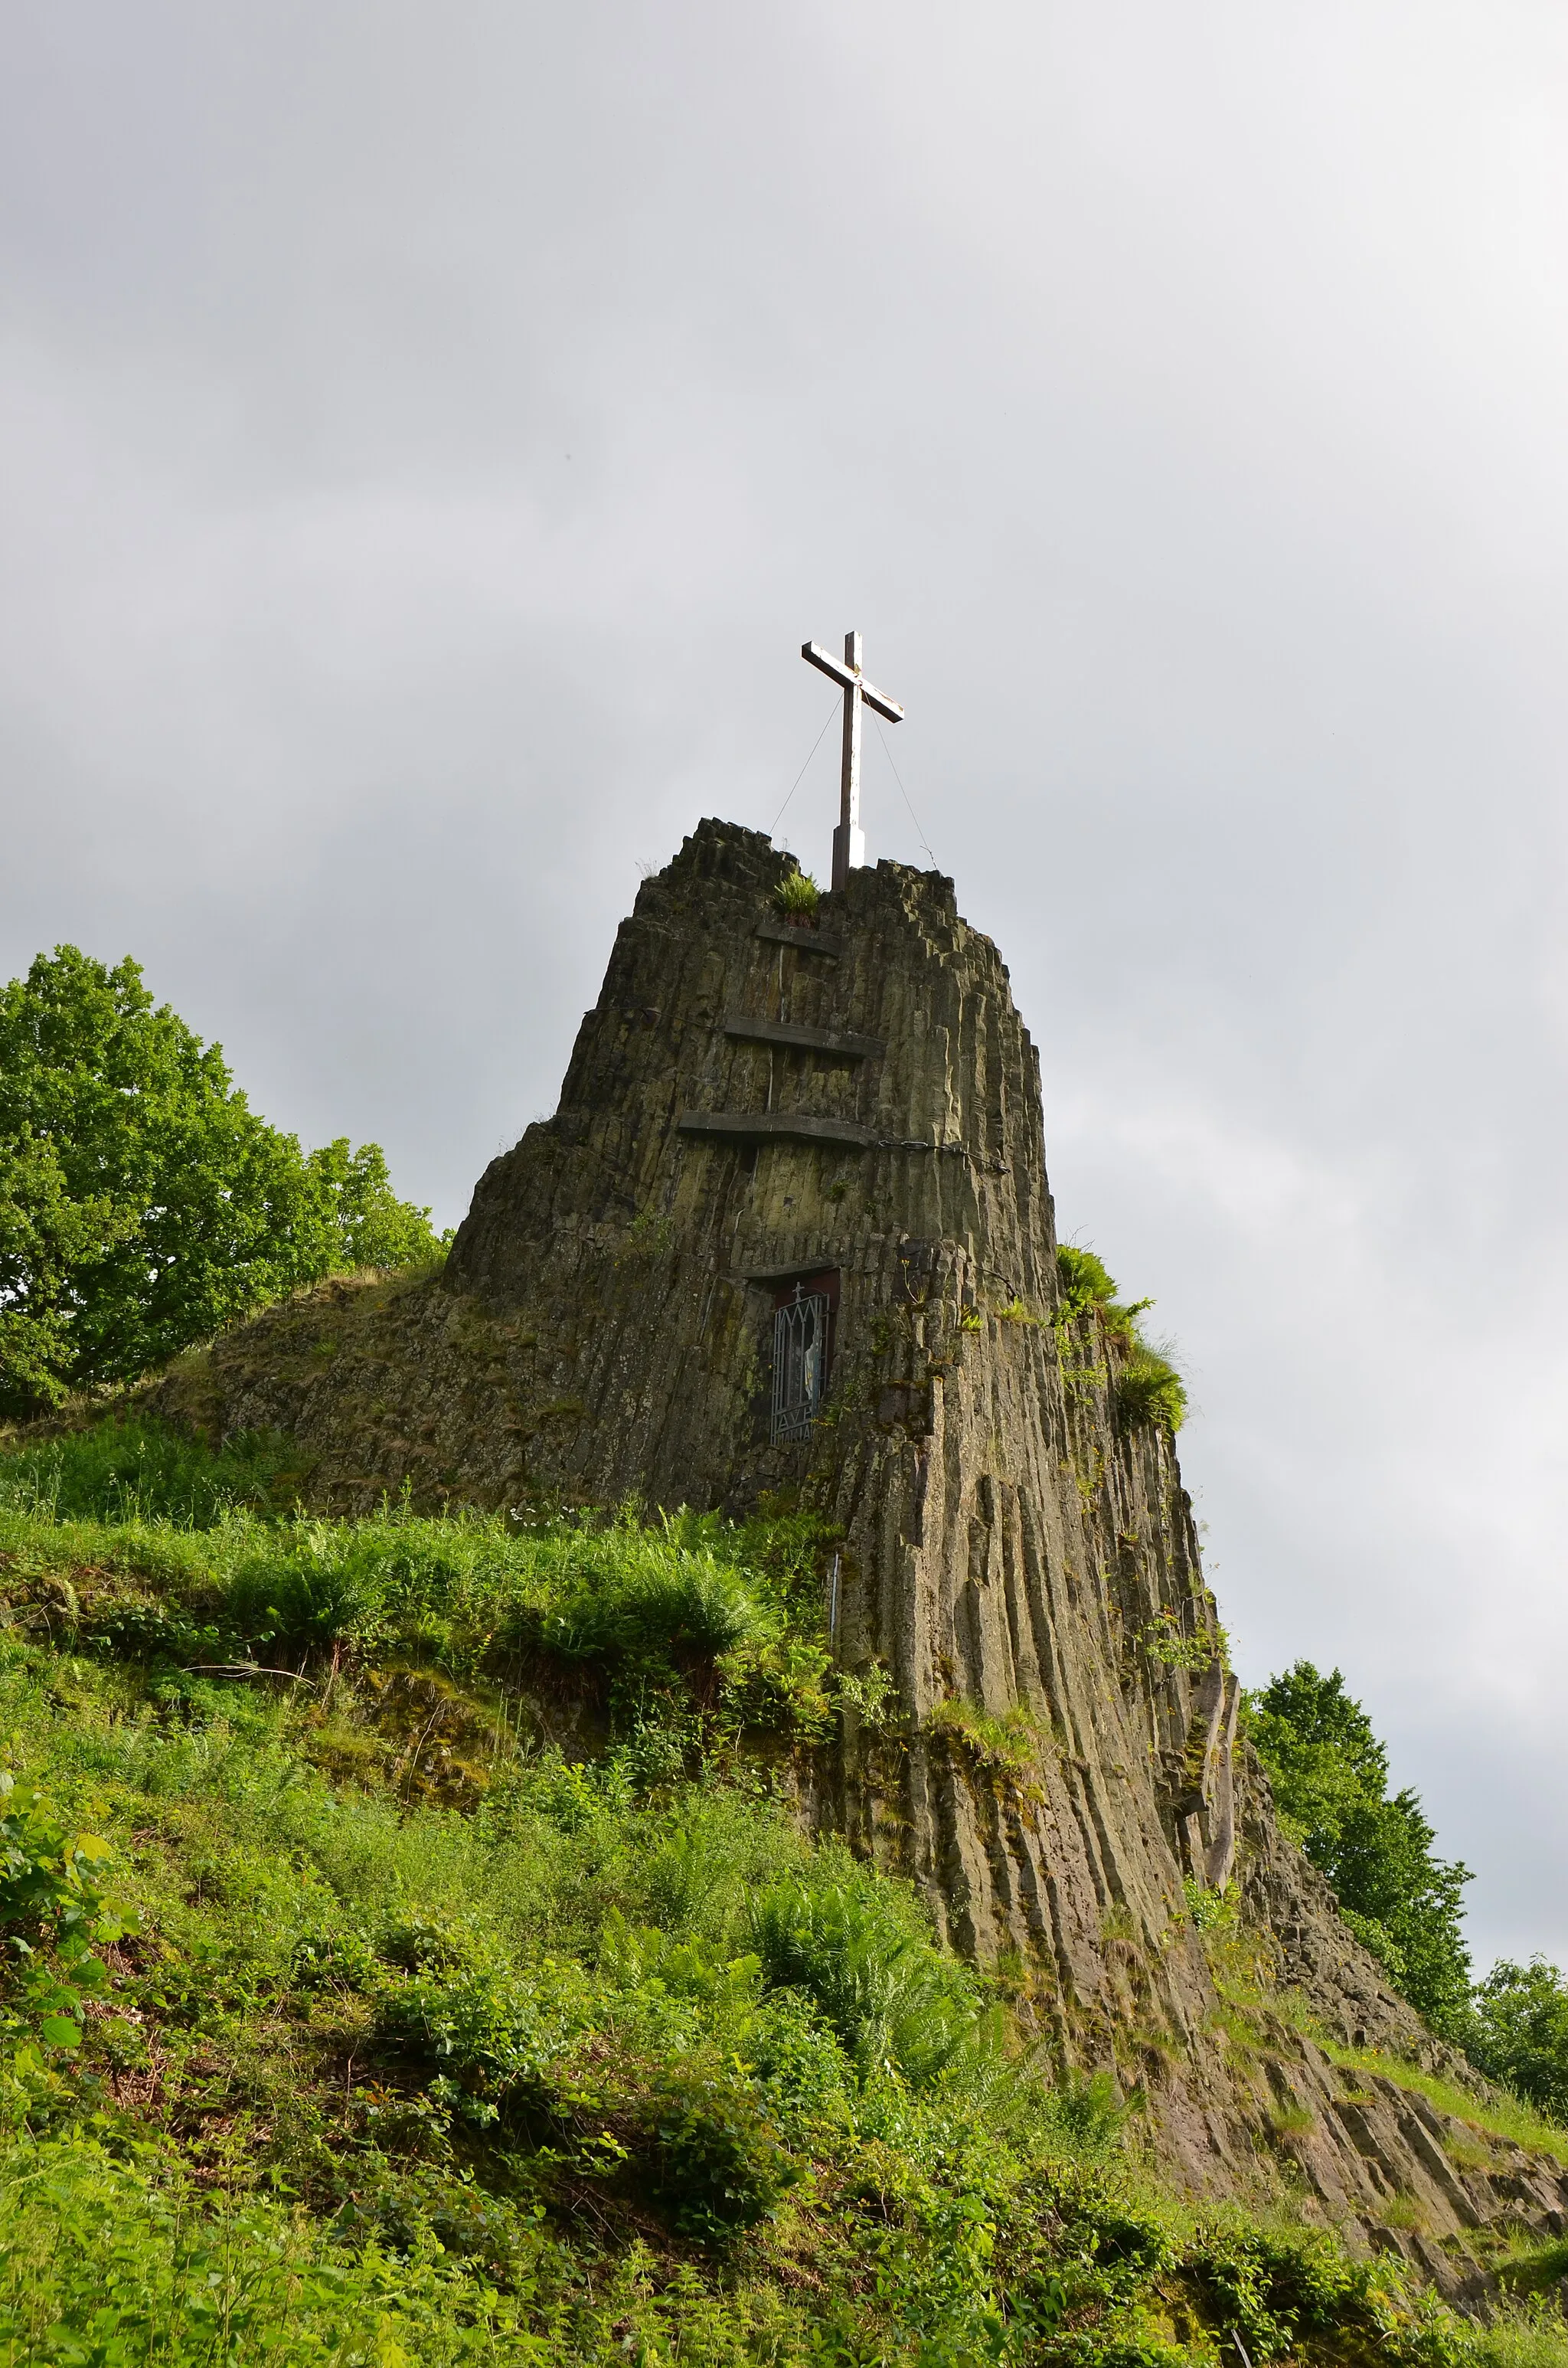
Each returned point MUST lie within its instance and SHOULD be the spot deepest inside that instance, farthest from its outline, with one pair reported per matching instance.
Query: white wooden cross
(850, 839)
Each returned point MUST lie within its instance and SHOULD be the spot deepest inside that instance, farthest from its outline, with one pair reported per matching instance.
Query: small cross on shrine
(850, 839)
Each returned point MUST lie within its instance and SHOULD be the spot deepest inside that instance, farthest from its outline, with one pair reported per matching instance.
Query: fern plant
(1009, 1745)
(797, 896)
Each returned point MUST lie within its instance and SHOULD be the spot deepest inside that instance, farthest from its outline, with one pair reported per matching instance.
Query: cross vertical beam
(850, 839)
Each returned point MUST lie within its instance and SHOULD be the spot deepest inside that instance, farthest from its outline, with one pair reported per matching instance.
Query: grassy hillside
(411, 1959)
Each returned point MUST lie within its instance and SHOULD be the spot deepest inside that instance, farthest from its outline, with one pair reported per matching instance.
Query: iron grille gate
(800, 1362)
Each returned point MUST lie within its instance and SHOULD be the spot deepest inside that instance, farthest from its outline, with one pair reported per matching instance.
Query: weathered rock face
(844, 1120)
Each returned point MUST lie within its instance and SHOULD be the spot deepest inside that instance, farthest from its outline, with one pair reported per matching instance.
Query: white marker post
(850, 839)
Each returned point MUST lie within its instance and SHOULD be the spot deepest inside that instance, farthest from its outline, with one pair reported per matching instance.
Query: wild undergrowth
(127, 1542)
(569, 2047)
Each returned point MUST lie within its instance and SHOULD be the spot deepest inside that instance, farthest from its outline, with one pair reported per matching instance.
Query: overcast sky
(428, 433)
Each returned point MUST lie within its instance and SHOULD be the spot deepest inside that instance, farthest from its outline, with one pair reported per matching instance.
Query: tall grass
(132, 1503)
(130, 1469)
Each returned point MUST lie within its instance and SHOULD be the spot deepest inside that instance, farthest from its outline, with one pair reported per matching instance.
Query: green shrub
(488, 2036)
(105, 2260)
(800, 2064)
(1273, 2285)
(1535, 2268)
(690, 1609)
(1167, 1640)
(784, 1682)
(1007, 1745)
(302, 1586)
(1210, 1910)
(1531, 2338)
(644, 1957)
(133, 1629)
(1085, 2113)
(499, 2053)
(700, 1866)
(714, 2163)
(53, 1908)
(1124, 2232)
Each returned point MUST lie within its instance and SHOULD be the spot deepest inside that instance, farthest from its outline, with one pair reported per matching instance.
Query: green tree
(1520, 2033)
(142, 1203)
(1330, 1776)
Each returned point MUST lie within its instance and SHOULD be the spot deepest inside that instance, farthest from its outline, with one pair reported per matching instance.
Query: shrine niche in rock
(788, 1235)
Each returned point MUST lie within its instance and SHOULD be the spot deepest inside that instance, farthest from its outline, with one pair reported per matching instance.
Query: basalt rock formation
(789, 1230)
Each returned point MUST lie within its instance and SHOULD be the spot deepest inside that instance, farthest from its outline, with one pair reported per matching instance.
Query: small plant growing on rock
(1210, 1911)
(1119, 1923)
(649, 1236)
(1291, 2120)
(1085, 1282)
(1009, 1745)
(1149, 1390)
(1167, 1641)
(797, 896)
(871, 1692)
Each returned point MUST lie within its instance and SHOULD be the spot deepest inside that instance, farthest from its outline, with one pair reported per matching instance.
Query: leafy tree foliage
(142, 1203)
(1520, 2032)
(1330, 1775)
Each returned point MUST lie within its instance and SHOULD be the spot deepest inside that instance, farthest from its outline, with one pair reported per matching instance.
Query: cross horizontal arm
(815, 655)
(880, 701)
